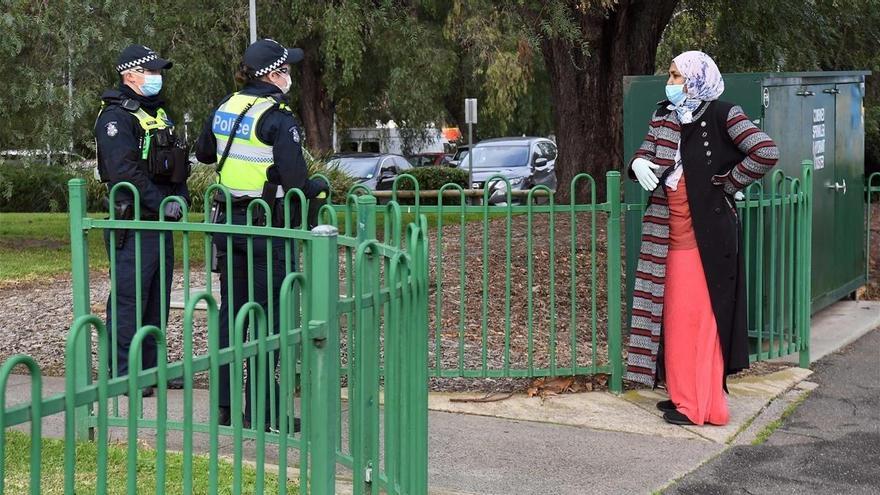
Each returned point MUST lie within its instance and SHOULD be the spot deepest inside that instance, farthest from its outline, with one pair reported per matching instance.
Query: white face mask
(286, 86)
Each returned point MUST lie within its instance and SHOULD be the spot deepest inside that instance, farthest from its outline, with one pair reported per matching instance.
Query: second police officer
(136, 144)
(262, 160)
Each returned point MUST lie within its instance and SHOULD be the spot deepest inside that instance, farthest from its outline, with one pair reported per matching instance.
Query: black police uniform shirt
(277, 128)
(119, 137)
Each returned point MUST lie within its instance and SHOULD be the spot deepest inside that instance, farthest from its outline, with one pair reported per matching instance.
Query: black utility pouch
(167, 159)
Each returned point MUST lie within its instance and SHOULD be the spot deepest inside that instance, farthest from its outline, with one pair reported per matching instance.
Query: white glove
(172, 210)
(644, 171)
(739, 196)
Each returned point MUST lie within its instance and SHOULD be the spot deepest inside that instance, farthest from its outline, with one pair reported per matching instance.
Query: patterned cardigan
(660, 145)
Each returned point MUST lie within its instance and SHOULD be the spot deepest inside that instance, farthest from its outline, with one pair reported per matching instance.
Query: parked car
(459, 154)
(429, 159)
(525, 162)
(374, 170)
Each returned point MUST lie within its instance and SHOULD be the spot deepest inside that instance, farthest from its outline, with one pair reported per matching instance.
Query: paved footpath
(829, 444)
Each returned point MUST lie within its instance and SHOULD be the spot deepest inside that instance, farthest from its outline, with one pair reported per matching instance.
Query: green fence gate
(381, 304)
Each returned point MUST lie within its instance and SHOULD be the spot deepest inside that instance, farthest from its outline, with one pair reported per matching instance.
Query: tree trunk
(587, 88)
(315, 106)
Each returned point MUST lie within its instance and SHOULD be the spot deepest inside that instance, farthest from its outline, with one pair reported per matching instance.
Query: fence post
(807, 262)
(614, 263)
(366, 218)
(79, 253)
(322, 340)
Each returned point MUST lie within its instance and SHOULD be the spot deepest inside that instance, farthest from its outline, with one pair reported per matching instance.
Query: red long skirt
(691, 350)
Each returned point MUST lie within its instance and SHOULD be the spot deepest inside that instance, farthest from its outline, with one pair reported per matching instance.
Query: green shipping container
(815, 116)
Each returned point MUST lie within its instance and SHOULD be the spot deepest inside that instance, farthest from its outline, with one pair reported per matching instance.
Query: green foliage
(26, 186)
(758, 36)
(201, 177)
(432, 179)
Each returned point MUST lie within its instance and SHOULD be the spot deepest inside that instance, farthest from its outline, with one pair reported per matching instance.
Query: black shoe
(175, 383)
(666, 405)
(677, 418)
(145, 392)
(225, 416)
(246, 423)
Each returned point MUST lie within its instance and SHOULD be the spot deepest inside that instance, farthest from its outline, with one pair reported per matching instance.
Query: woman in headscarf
(688, 325)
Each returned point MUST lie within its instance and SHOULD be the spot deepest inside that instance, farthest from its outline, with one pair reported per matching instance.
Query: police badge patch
(294, 133)
(111, 128)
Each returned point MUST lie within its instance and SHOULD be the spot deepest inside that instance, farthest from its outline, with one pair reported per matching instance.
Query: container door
(849, 169)
(820, 109)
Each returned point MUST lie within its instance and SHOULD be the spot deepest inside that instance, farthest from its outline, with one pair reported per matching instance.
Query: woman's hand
(644, 172)
(718, 180)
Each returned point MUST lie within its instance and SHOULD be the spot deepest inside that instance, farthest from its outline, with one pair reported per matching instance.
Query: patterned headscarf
(702, 79)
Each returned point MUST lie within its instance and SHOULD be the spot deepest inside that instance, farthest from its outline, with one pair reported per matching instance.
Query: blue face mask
(152, 85)
(675, 93)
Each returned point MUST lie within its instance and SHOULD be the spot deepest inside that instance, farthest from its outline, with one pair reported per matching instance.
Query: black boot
(225, 416)
(677, 418)
(666, 405)
(145, 392)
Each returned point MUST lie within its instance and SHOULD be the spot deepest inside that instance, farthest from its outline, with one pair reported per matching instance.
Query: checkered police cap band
(135, 63)
(273, 66)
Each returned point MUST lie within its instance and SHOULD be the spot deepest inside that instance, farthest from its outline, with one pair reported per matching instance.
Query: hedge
(37, 187)
(432, 179)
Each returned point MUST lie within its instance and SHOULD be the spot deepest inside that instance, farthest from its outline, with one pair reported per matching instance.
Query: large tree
(586, 47)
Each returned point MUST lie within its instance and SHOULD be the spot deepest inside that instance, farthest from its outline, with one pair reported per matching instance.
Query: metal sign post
(253, 19)
(470, 117)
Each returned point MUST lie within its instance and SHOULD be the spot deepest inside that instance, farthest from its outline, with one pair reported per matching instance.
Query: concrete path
(571, 444)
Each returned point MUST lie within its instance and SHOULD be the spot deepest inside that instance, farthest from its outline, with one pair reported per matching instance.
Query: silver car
(525, 162)
(374, 170)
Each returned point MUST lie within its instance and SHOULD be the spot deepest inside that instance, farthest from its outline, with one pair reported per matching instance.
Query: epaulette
(127, 104)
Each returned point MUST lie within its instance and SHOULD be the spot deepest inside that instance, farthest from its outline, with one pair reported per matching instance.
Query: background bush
(432, 179)
(32, 186)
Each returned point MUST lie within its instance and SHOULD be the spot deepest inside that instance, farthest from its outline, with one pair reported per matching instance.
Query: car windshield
(359, 168)
(499, 157)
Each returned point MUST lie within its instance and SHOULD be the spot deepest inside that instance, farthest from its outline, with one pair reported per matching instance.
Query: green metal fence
(383, 298)
(527, 294)
(521, 290)
(777, 224)
(530, 290)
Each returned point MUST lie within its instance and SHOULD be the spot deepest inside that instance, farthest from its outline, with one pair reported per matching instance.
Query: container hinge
(805, 92)
(832, 91)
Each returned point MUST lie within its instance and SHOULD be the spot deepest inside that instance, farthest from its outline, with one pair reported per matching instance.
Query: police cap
(140, 56)
(264, 56)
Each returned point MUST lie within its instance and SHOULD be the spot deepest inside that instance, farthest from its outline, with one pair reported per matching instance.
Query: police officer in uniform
(263, 160)
(136, 144)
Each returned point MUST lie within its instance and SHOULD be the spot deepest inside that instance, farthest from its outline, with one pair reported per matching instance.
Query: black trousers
(240, 296)
(151, 303)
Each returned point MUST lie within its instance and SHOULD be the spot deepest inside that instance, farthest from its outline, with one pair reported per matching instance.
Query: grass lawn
(17, 475)
(37, 245)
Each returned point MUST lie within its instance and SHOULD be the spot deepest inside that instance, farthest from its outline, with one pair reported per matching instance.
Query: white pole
(253, 20)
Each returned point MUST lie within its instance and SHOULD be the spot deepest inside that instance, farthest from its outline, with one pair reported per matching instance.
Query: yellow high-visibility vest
(245, 167)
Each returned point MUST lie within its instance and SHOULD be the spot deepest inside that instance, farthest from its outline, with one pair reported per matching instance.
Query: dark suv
(376, 171)
(525, 162)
